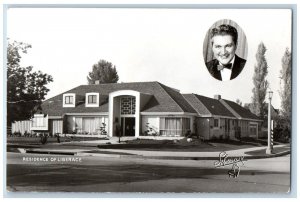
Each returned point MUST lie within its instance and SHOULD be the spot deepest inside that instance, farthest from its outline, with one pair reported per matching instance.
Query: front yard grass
(177, 145)
(276, 150)
(37, 140)
(136, 144)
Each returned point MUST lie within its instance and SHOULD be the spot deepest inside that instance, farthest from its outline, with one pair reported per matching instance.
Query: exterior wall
(207, 130)
(261, 132)
(244, 128)
(234, 124)
(253, 129)
(216, 132)
(203, 127)
(229, 128)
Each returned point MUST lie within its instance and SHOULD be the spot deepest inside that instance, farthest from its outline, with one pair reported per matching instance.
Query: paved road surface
(94, 174)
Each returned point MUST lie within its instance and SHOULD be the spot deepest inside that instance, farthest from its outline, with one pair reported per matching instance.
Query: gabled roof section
(205, 105)
(164, 99)
(179, 99)
(197, 105)
(241, 111)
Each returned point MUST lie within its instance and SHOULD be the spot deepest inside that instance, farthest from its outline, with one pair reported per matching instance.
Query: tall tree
(239, 102)
(260, 82)
(25, 89)
(286, 85)
(104, 72)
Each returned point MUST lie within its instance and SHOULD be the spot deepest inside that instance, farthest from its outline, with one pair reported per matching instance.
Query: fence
(21, 127)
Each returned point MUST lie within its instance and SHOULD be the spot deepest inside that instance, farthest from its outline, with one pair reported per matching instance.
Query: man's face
(223, 48)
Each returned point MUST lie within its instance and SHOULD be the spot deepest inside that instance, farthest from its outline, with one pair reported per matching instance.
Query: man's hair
(225, 30)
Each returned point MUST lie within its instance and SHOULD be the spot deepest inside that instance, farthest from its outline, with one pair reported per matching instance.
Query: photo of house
(90, 109)
(102, 100)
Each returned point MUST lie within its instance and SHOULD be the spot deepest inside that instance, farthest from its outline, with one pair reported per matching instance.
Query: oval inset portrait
(225, 50)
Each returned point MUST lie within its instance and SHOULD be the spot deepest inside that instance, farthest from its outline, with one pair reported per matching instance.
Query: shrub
(17, 134)
(44, 138)
(26, 134)
(188, 134)
(57, 137)
(281, 134)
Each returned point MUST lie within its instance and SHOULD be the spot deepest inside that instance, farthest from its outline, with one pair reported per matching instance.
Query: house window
(127, 105)
(69, 100)
(170, 126)
(39, 122)
(92, 99)
(90, 125)
(216, 123)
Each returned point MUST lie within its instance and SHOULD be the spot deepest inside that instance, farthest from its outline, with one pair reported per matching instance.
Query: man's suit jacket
(237, 67)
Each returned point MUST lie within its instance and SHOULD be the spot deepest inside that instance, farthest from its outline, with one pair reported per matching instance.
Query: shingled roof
(164, 99)
(207, 106)
(241, 111)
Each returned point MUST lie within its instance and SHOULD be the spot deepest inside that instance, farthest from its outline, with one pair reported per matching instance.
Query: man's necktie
(221, 67)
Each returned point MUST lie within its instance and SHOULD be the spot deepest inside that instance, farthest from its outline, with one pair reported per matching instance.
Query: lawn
(276, 150)
(177, 145)
(37, 140)
(136, 144)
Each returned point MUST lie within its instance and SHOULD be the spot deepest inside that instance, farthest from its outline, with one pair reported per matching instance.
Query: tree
(104, 72)
(25, 89)
(239, 102)
(247, 106)
(286, 86)
(260, 82)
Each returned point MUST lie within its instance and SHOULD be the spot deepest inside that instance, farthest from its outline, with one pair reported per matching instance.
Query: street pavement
(102, 174)
(92, 169)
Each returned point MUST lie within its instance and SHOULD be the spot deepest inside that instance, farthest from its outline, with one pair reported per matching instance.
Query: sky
(164, 45)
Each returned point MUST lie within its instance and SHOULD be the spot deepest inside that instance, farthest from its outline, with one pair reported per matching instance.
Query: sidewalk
(171, 155)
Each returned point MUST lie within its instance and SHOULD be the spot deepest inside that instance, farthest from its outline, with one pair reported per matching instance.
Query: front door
(129, 126)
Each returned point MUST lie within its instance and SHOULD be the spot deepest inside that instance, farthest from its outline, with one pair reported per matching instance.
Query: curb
(208, 157)
(98, 155)
(29, 151)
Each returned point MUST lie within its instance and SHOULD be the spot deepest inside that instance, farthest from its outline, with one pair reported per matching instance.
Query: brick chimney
(217, 97)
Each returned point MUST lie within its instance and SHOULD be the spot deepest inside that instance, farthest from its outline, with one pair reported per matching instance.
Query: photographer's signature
(224, 160)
